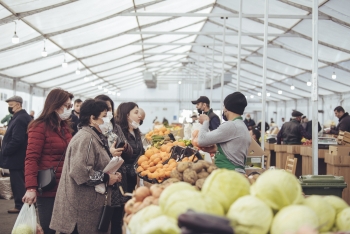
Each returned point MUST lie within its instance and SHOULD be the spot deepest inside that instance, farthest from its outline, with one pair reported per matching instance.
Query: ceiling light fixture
(251, 96)
(334, 76)
(92, 84)
(113, 93)
(64, 64)
(15, 38)
(118, 94)
(308, 83)
(99, 87)
(292, 87)
(109, 92)
(279, 91)
(268, 94)
(259, 94)
(180, 82)
(86, 78)
(44, 53)
(106, 90)
(77, 71)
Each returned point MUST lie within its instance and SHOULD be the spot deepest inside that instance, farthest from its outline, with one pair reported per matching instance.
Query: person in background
(250, 123)
(32, 113)
(143, 115)
(75, 115)
(282, 122)
(155, 119)
(194, 118)
(292, 132)
(6, 119)
(48, 138)
(271, 121)
(255, 134)
(128, 119)
(224, 140)
(78, 207)
(304, 121)
(344, 121)
(267, 126)
(14, 146)
(165, 122)
(203, 106)
(308, 127)
(117, 199)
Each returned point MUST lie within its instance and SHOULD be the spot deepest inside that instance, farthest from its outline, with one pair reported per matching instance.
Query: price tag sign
(314, 95)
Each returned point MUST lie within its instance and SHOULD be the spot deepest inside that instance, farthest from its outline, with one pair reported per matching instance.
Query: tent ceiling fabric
(105, 42)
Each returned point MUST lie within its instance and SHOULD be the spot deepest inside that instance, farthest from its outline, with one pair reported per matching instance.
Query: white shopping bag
(26, 220)
(111, 168)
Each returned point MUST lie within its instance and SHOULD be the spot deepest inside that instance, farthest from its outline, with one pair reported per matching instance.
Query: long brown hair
(121, 119)
(54, 100)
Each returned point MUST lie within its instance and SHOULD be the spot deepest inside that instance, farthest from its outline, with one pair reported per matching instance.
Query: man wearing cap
(231, 140)
(203, 107)
(14, 146)
(292, 132)
(249, 122)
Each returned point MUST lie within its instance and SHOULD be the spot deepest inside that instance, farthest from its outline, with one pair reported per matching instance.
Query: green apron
(221, 161)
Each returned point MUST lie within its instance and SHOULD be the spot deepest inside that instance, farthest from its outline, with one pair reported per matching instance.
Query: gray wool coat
(77, 203)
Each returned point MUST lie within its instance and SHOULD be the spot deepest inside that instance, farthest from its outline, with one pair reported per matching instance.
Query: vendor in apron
(231, 140)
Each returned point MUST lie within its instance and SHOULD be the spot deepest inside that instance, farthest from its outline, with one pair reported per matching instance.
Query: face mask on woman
(65, 115)
(134, 124)
(105, 126)
(109, 115)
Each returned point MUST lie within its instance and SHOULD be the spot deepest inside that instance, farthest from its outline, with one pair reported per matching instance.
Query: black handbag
(106, 216)
(47, 178)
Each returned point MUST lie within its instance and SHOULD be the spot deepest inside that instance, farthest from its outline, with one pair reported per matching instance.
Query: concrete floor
(6, 220)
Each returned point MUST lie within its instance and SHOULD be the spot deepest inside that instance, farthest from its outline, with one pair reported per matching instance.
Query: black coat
(75, 122)
(14, 144)
(344, 124)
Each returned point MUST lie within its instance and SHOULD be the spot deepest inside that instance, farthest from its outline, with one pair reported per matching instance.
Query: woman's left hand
(116, 152)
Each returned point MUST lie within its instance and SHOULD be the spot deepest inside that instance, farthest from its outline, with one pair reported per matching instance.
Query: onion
(136, 207)
(141, 193)
(129, 206)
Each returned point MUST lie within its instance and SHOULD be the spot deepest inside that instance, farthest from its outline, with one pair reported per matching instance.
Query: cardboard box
(280, 148)
(339, 161)
(293, 149)
(339, 150)
(255, 149)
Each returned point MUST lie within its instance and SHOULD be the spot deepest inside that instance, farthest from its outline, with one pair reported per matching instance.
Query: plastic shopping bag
(26, 221)
(111, 168)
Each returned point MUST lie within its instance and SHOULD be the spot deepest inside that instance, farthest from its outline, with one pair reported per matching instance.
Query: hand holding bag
(106, 216)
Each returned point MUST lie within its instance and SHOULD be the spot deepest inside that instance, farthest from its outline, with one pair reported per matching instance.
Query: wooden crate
(306, 165)
(304, 150)
(340, 161)
(281, 159)
(280, 148)
(339, 150)
(341, 171)
(293, 149)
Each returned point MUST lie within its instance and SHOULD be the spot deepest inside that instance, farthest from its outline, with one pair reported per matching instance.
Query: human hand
(29, 197)
(114, 178)
(211, 149)
(39, 229)
(116, 152)
(203, 118)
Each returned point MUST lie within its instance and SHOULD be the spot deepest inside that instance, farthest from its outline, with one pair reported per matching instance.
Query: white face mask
(109, 115)
(105, 126)
(65, 115)
(134, 124)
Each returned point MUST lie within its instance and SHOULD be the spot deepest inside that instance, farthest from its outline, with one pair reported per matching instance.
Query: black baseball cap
(203, 99)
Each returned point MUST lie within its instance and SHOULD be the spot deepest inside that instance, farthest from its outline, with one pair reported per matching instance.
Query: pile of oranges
(151, 163)
(163, 131)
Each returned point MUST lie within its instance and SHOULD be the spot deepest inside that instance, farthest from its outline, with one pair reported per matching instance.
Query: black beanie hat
(235, 102)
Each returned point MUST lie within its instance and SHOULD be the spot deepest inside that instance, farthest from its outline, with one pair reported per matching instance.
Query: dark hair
(257, 134)
(122, 117)
(54, 100)
(105, 98)
(78, 101)
(339, 109)
(91, 107)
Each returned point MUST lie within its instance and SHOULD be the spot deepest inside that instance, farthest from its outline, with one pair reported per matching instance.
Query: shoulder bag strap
(64, 136)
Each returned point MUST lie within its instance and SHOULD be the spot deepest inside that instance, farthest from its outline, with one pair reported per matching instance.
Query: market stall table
(281, 155)
(270, 151)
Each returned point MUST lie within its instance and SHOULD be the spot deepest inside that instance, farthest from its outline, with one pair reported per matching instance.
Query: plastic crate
(322, 185)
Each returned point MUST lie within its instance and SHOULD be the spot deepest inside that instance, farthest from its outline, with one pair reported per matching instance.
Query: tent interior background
(103, 41)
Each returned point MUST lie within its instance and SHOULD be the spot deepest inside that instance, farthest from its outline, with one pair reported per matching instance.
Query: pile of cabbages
(274, 204)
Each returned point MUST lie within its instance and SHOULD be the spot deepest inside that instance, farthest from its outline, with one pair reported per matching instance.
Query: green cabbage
(250, 215)
(226, 187)
(343, 220)
(23, 229)
(142, 217)
(291, 218)
(337, 203)
(278, 189)
(161, 225)
(173, 189)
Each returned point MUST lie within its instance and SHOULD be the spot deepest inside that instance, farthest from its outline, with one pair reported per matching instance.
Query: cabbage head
(172, 189)
(226, 186)
(337, 203)
(324, 211)
(23, 229)
(161, 225)
(291, 218)
(278, 189)
(343, 220)
(250, 215)
(142, 217)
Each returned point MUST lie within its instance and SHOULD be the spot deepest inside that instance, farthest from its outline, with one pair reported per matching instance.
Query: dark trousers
(45, 208)
(74, 232)
(117, 220)
(17, 186)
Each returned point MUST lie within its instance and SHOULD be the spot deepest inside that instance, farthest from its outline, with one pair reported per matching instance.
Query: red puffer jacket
(44, 150)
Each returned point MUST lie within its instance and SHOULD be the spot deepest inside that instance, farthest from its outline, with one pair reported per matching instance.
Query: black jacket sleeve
(18, 137)
(215, 122)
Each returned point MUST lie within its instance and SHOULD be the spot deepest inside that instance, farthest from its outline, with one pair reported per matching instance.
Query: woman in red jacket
(48, 138)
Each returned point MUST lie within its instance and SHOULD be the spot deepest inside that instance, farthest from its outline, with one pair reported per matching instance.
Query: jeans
(117, 220)
(45, 208)
(17, 186)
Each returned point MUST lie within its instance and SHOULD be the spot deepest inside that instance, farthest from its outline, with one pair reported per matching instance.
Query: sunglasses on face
(68, 106)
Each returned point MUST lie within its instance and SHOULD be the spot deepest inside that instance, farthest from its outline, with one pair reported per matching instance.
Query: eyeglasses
(69, 106)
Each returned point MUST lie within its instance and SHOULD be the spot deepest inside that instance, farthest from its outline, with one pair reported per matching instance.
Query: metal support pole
(212, 72)
(314, 95)
(222, 69)
(197, 74)
(30, 106)
(14, 86)
(239, 46)
(263, 115)
(205, 67)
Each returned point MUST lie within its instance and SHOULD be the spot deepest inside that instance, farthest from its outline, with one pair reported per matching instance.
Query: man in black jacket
(292, 132)
(249, 122)
(14, 146)
(344, 121)
(203, 107)
(75, 115)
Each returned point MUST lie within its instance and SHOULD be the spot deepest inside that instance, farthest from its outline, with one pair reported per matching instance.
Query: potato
(197, 167)
(206, 164)
(176, 174)
(190, 176)
(211, 168)
(202, 175)
(182, 166)
(199, 183)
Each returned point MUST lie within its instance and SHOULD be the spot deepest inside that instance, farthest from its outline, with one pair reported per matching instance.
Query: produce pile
(273, 204)
(162, 131)
(306, 141)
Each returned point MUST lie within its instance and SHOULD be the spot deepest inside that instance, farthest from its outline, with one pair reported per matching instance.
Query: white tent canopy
(112, 43)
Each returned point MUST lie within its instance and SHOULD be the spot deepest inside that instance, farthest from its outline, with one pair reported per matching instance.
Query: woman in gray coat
(78, 207)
